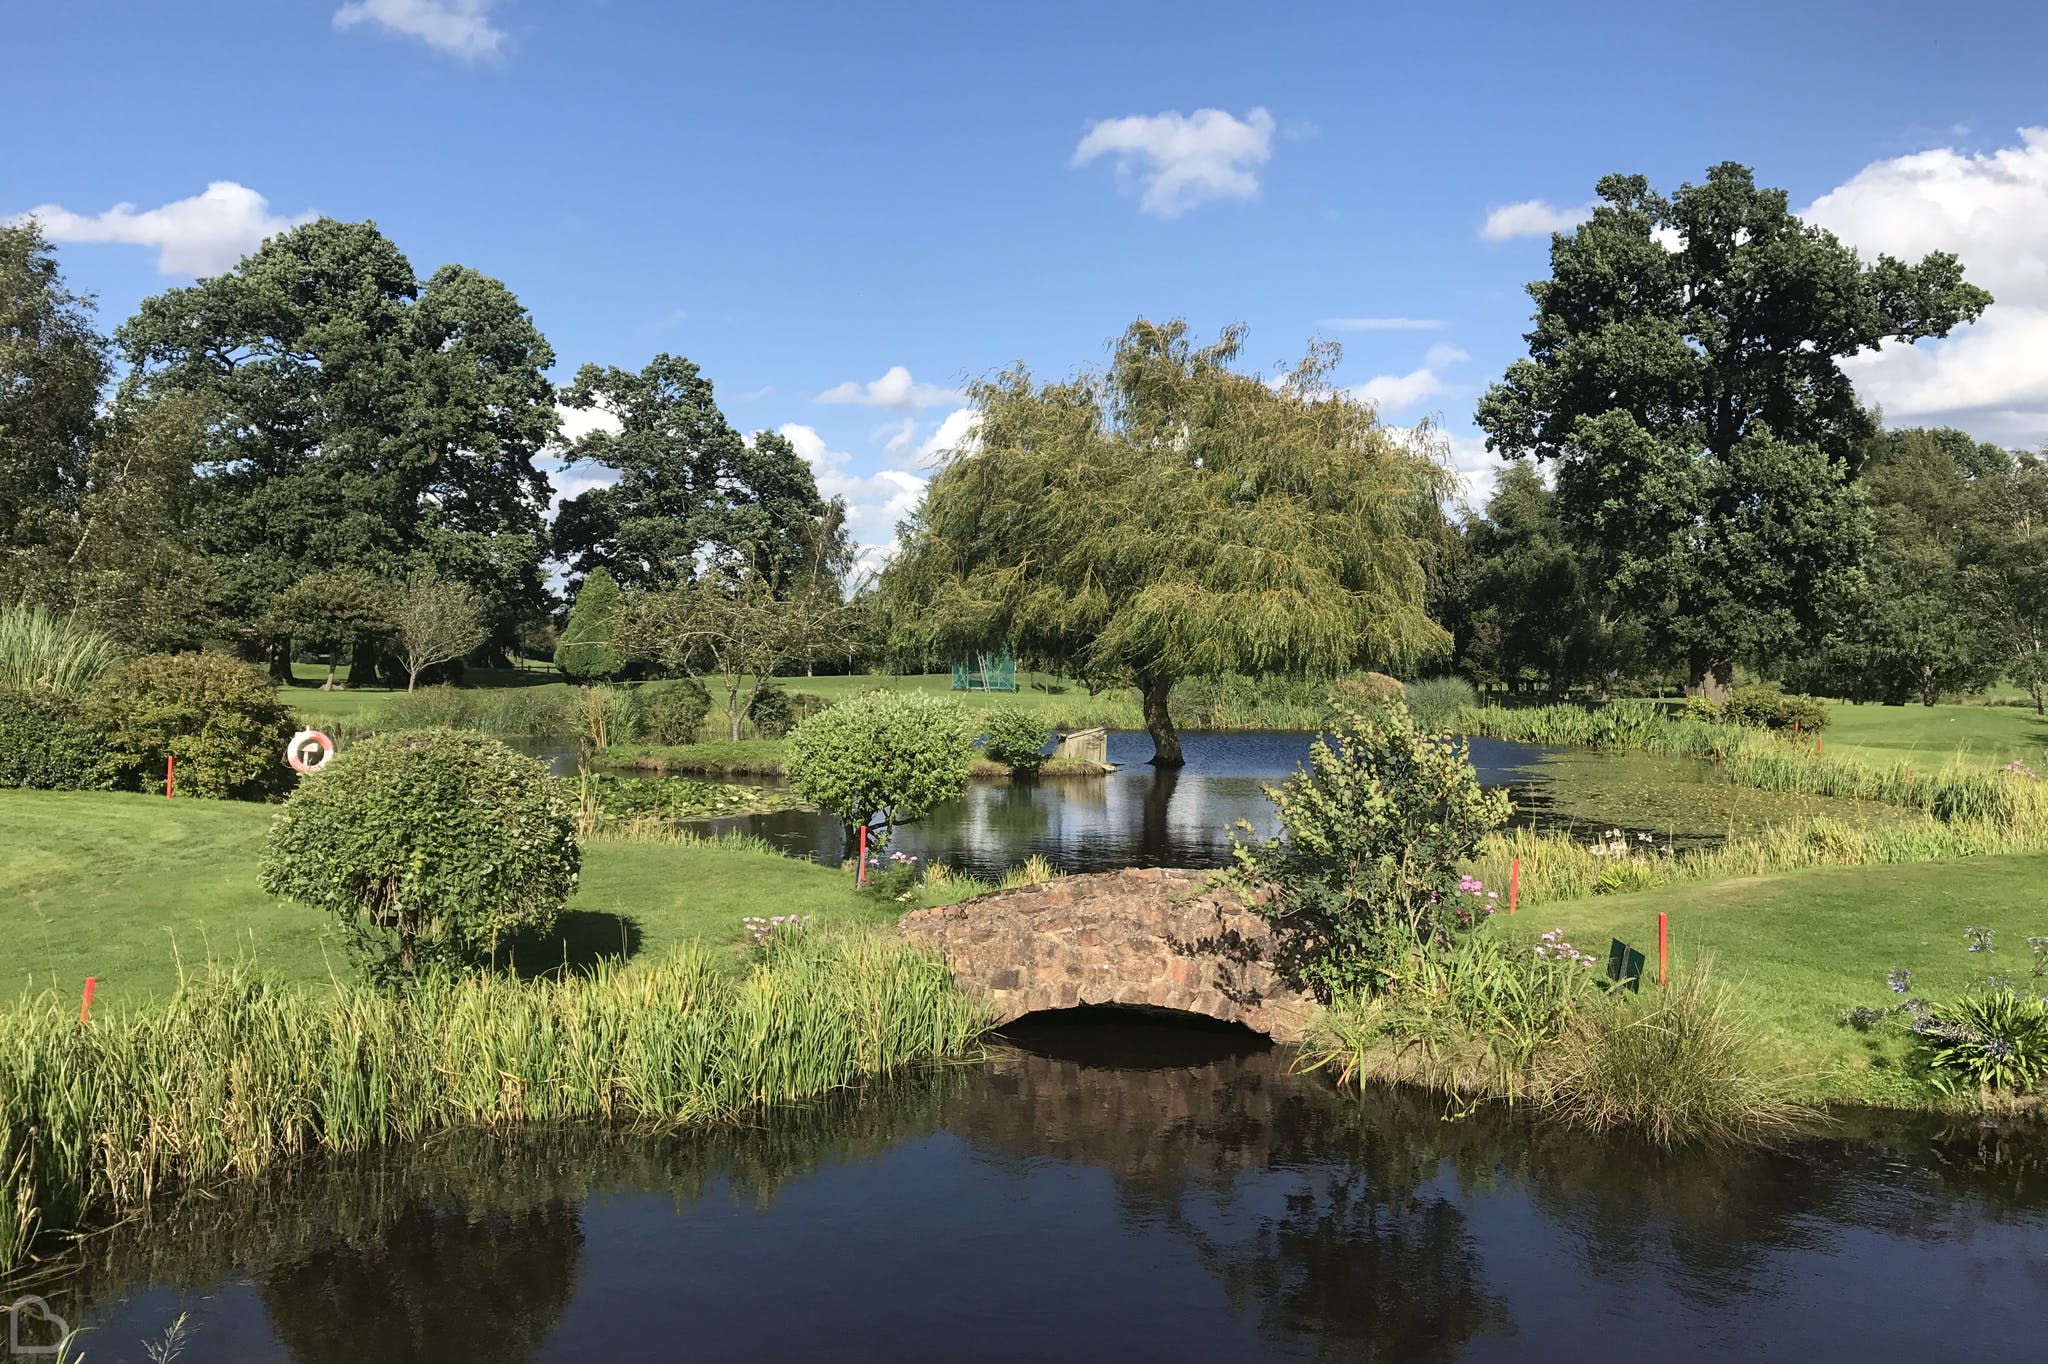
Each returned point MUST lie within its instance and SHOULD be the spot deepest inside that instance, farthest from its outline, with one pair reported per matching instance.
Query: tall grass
(520, 712)
(1674, 1065)
(44, 652)
(235, 1075)
(1958, 792)
(1435, 702)
(1555, 866)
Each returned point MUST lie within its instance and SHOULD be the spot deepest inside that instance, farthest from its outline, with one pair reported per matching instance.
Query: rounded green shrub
(219, 717)
(1013, 736)
(1701, 709)
(431, 846)
(673, 712)
(43, 746)
(1762, 705)
(1366, 689)
(772, 711)
(881, 755)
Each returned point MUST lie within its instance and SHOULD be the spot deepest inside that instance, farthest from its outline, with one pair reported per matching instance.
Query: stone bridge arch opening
(1150, 939)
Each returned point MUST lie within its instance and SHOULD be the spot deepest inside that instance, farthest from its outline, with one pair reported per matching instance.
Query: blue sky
(829, 201)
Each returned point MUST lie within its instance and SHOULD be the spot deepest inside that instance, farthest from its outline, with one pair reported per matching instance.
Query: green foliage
(1207, 523)
(601, 716)
(1995, 1039)
(430, 846)
(435, 621)
(687, 485)
(519, 712)
(1623, 875)
(1763, 705)
(1013, 737)
(40, 651)
(371, 419)
(331, 612)
(1700, 709)
(237, 1076)
(1677, 1065)
(772, 710)
(53, 365)
(219, 717)
(890, 756)
(673, 712)
(1372, 836)
(42, 746)
(588, 649)
(1364, 689)
(1434, 702)
(1694, 403)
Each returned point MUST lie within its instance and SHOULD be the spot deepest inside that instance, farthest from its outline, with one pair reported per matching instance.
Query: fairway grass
(124, 887)
(1930, 736)
(1803, 948)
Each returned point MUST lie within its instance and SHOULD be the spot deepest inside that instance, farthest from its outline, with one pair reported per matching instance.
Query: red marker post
(170, 775)
(1514, 882)
(85, 1005)
(1663, 948)
(860, 868)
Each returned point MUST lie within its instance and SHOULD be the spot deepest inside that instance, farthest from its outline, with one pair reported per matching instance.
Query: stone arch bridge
(1149, 937)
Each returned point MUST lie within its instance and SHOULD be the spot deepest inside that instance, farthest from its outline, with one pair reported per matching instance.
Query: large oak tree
(1684, 376)
(362, 419)
(1171, 517)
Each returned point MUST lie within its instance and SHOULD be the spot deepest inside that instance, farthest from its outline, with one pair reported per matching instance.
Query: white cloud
(1988, 208)
(577, 422)
(1384, 324)
(902, 435)
(1532, 218)
(202, 235)
(894, 389)
(1392, 393)
(955, 433)
(460, 28)
(1178, 161)
(874, 502)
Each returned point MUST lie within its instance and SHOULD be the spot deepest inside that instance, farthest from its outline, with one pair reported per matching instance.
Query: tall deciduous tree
(331, 613)
(1172, 517)
(363, 420)
(689, 488)
(52, 367)
(1684, 373)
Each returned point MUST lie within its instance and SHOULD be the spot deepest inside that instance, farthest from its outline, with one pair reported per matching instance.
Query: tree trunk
(1711, 677)
(281, 661)
(1159, 724)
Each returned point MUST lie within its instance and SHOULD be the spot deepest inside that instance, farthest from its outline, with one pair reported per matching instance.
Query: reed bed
(1959, 792)
(236, 1075)
(1558, 867)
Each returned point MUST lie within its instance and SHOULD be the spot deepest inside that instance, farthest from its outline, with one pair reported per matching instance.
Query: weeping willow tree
(1172, 517)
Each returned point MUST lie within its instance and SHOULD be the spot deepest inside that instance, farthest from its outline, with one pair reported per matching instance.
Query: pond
(1141, 816)
(1101, 1191)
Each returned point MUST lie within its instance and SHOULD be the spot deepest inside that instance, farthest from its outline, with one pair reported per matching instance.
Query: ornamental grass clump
(1674, 1066)
(42, 652)
(236, 1075)
(431, 846)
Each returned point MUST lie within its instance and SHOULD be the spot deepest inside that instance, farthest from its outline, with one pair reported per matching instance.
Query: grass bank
(126, 887)
(234, 1074)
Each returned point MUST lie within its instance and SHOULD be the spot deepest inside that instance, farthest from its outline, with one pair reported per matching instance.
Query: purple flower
(1899, 980)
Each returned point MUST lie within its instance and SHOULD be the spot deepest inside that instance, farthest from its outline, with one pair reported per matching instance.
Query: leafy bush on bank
(219, 717)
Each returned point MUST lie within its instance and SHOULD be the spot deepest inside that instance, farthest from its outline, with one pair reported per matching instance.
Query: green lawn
(1805, 947)
(124, 886)
(1928, 736)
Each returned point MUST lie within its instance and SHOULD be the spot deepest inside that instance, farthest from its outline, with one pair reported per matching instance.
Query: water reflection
(1096, 1193)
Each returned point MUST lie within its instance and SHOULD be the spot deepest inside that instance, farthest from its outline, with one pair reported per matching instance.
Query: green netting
(986, 672)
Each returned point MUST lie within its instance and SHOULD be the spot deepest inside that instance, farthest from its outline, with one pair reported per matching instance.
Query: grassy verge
(234, 1075)
(126, 887)
(1802, 948)
(720, 758)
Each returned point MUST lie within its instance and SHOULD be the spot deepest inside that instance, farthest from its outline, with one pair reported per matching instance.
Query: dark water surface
(1104, 1192)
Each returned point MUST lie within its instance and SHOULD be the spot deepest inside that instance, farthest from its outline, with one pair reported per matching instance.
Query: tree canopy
(1684, 374)
(689, 488)
(1171, 517)
(360, 418)
(52, 366)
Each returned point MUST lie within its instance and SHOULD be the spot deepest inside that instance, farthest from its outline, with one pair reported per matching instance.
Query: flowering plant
(775, 928)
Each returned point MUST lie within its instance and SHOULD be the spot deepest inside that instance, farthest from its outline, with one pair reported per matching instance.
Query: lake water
(1140, 816)
(1103, 1192)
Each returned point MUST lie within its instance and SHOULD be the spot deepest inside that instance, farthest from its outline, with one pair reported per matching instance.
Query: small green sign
(1625, 965)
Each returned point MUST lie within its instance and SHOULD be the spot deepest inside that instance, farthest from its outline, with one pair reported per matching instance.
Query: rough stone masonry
(1147, 936)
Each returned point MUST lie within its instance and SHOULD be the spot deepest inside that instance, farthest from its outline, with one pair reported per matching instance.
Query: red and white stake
(85, 1005)
(1663, 948)
(1514, 882)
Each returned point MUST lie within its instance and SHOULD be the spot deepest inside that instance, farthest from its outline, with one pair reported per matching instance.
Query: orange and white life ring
(308, 751)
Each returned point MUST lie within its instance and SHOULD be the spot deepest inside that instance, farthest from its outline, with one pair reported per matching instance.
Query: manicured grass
(1929, 736)
(1804, 947)
(122, 887)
